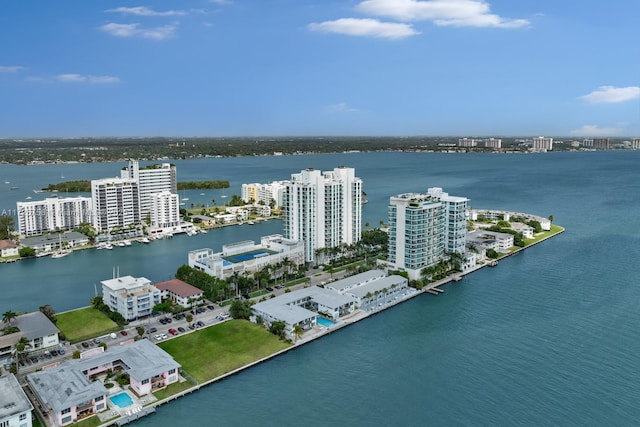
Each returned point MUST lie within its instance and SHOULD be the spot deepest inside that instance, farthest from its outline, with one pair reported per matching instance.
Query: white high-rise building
(115, 203)
(542, 144)
(165, 210)
(467, 142)
(635, 143)
(323, 209)
(493, 143)
(53, 214)
(455, 224)
(151, 179)
(416, 232)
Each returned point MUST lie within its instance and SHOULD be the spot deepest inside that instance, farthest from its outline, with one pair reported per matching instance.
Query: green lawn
(555, 229)
(84, 323)
(216, 350)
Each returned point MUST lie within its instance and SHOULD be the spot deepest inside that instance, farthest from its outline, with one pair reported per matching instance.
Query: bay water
(548, 338)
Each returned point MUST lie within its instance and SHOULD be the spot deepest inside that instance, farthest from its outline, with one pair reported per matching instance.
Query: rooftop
(13, 400)
(178, 287)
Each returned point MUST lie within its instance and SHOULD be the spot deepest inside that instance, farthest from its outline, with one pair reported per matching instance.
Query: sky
(222, 68)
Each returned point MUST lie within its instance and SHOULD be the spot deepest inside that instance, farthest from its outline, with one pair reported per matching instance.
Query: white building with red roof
(179, 292)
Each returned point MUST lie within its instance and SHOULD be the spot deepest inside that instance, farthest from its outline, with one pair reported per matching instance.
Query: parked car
(211, 307)
(200, 323)
(181, 329)
(96, 341)
(123, 333)
(173, 331)
(85, 344)
(269, 289)
(152, 330)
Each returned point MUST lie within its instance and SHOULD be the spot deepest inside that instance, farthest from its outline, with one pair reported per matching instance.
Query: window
(66, 411)
(146, 381)
(172, 371)
(23, 416)
(99, 398)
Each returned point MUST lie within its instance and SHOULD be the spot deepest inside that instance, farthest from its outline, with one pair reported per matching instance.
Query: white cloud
(134, 30)
(460, 13)
(80, 78)
(146, 11)
(341, 107)
(611, 94)
(8, 69)
(593, 130)
(365, 28)
(220, 1)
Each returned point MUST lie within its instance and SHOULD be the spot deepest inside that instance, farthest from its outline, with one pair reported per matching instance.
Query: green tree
(240, 309)
(551, 218)
(26, 252)
(277, 328)
(48, 311)
(297, 331)
(8, 316)
(7, 225)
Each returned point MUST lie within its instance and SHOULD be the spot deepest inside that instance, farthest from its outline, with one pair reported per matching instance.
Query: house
(180, 292)
(524, 229)
(8, 248)
(205, 220)
(15, 407)
(66, 392)
(37, 328)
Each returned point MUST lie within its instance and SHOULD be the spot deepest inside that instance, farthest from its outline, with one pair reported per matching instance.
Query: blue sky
(319, 67)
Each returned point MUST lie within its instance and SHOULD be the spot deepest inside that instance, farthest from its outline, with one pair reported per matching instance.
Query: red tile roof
(6, 244)
(179, 288)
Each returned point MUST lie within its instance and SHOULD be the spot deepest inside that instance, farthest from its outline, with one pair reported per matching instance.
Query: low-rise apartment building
(133, 297)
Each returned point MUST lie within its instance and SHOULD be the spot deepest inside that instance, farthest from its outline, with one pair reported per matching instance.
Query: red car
(173, 331)
(123, 333)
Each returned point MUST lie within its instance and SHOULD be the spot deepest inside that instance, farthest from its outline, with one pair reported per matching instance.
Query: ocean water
(548, 338)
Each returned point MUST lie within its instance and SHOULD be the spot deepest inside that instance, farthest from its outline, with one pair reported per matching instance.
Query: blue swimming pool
(122, 400)
(325, 322)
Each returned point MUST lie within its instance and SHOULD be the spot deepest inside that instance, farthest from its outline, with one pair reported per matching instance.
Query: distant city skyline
(227, 68)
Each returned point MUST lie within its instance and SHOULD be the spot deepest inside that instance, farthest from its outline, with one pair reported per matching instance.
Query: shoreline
(349, 320)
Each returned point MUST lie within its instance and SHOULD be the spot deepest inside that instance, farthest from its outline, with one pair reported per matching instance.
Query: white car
(158, 337)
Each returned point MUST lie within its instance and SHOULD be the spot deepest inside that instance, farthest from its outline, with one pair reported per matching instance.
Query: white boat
(144, 240)
(202, 194)
(108, 246)
(121, 244)
(127, 242)
(60, 254)
(28, 198)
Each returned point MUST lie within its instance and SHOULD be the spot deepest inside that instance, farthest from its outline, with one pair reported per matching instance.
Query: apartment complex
(265, 193)
(53, 214)
(455, 223)
(323, 209)
(635, 143)
(416, 232)
(596, 143)
(132, 297)
(542, 144)
(495, 143)
(151, 180)
(247, 257)
(115, 203)
(165, 210)
(467, 142)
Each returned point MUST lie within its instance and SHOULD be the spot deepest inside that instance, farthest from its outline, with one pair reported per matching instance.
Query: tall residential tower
(323, 209)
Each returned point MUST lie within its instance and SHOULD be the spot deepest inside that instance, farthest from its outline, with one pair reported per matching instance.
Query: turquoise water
(325, 322)
(121, 400)
(547, 338)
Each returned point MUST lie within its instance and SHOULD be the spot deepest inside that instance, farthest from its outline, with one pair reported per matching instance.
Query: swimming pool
(325, 322)
(121, 399)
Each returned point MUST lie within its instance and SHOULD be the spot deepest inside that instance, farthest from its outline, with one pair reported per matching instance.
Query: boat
(29, 198)
(250, 222)
(202, 194)
(14, 188)
(60, 254)
(144, 240)
(127, 242)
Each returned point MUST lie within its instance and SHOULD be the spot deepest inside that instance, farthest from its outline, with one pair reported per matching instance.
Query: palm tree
(297, 331)
(21, 348)
(8, 316)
